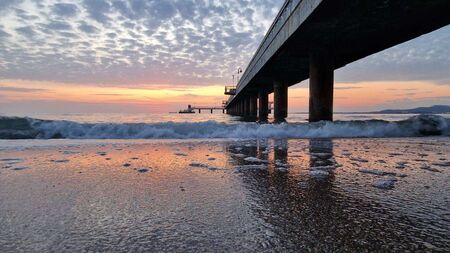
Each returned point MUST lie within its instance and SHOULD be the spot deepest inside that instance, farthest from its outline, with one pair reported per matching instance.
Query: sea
(217, 183)
(218, 125)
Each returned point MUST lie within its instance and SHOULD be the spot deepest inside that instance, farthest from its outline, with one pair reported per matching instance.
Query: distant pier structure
(309, 39)
(194, 109)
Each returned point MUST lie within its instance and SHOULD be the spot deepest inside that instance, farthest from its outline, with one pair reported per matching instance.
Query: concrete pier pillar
(199, 111)
(241, 107)
(211, 111)
(246, 106)
(321, 82)
(280, 97)
(253, 106)
(263, 106)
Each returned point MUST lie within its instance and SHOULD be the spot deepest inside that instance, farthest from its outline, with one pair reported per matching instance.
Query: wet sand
(275, 195)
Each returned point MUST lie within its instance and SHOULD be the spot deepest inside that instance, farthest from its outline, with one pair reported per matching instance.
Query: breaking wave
(28, 128)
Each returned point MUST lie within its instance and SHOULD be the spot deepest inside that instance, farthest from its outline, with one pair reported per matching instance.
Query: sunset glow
(142, 56)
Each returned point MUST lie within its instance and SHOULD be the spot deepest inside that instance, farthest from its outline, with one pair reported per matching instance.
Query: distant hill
(436, 109)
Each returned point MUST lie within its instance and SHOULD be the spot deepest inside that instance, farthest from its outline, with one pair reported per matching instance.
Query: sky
(61, 56)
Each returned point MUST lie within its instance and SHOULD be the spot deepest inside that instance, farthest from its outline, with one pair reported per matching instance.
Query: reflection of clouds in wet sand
(228, 195)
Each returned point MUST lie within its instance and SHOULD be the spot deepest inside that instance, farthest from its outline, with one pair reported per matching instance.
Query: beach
(222, 195)
(224, 126)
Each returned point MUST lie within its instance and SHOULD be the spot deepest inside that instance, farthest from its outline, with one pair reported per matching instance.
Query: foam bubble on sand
(385, 183)
(323, 168)
(376, 172)
(202, 165)
(70, 152)
(181, 154)
(319, 174)
(239, 155)
(11, 161)
(198, 165)
(60, 161)
(321, 155)
(429, 168)
(255, 160)
(319, 162)
(250, 167)
(358, 159)
(20, 168)
(280, 164)
(282, 169)
(211, 159)
(142, 170)
(442, 164)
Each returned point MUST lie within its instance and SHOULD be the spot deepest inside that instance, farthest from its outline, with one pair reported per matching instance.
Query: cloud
(4, 34)
(108, 94)
(58, 25)
(65, 9)
(20, 89)
(88, 28)
(26, 31)
(176, 42)
(4, 4)
(346, 87)
(98, 10)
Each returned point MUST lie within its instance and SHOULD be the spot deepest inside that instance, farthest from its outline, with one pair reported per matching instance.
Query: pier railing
(258, 60)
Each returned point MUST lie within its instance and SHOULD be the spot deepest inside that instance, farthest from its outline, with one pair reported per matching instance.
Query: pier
(309, 39)
(193, 109)
(209, 108)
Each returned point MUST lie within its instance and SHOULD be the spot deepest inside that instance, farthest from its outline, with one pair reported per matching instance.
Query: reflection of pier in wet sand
(234, 196)
(302, 207)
